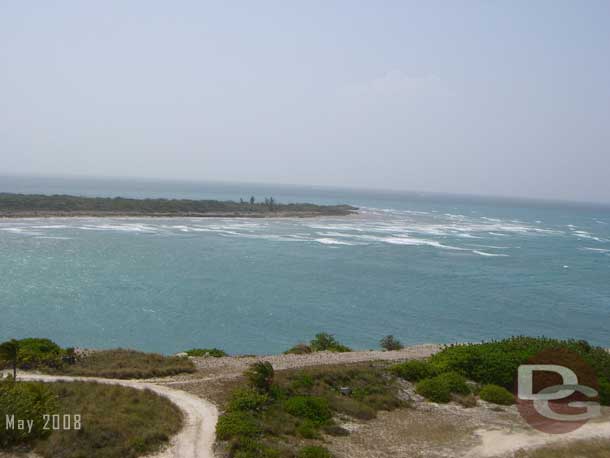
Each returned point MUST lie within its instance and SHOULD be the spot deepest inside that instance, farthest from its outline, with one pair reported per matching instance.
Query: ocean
(423, 267)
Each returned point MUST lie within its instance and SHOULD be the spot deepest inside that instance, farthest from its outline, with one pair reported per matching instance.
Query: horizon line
(547, 200)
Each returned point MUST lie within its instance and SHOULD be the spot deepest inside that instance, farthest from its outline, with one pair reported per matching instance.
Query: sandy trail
(497, 443)
(195, 440)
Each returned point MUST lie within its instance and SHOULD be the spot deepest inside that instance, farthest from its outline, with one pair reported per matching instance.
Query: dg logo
(557, 391)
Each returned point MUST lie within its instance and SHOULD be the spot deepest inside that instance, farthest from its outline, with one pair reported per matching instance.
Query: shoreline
(49, 215)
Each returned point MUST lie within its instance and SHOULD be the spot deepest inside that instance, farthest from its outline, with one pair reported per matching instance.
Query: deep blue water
(426, 268)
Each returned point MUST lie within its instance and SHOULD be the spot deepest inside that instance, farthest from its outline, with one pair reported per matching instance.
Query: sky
(483, 97)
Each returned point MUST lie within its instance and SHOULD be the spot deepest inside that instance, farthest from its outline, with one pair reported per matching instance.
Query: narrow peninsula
(39, 205)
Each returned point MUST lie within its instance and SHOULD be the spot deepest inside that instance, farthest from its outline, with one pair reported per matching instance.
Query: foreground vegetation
(64, 205)
(46, 356)
(285, 415)
(102, 420)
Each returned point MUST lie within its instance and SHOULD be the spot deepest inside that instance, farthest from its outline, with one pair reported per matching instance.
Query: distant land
(40, 205)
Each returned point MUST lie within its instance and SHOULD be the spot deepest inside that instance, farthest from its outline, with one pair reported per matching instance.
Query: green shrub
(604, 392)
(312, 408)
(214, 352)
(440, 387)
(327, 342)
(391, 343)
(25, 401)
(250, 448)
(299, 349)
(35, 353)
(433, 391)
(308, 430)
(260, 375)
(497, 362)
(314, 451)
(247, 399)
(236, 424)
(39, 347)
(497, 395)
(414, 370)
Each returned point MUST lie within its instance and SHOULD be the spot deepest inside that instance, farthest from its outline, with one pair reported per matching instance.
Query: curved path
(195, 440)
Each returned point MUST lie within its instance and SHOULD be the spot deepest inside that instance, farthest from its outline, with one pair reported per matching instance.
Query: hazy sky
(490, 97)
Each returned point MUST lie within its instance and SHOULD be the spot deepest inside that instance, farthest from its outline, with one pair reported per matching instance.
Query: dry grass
(580, 449)
(116, 422)
(126, 364)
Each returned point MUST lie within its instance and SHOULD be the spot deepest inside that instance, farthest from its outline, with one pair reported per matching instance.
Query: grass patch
(590, 449)
(25, 401)
(314, 451)
(126, 364)
(114, 420)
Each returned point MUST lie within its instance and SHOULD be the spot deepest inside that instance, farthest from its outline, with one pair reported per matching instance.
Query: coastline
(14, 205)
(89, 214)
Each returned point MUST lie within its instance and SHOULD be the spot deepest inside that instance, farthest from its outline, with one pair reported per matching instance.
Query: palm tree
(9, 351)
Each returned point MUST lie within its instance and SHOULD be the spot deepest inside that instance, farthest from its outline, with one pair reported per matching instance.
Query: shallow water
(424, 268)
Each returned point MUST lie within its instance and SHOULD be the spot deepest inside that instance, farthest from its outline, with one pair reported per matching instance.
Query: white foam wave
(587, 235)
(484, 253)
(328, 241)
(597, 250)
(52, 238)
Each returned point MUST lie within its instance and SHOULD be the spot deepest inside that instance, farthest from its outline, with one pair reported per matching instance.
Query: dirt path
(496, 443)
(196, 438)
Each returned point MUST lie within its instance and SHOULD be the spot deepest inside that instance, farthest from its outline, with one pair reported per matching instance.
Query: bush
(260, 375)
(414, 370)
(251, 448)
(299, 349)
(214, 352)
(247, 399)
(441, 387)
(497, 395)
(390, 343)
(26, 401)
(497, 362)
(308, 430)
(327, 342)
(236, 424)
(309, 407)
(314, 451)
(35, 352)
(604, 392)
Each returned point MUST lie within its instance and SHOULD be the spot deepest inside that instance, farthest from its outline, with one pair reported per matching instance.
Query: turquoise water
(425, 268)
